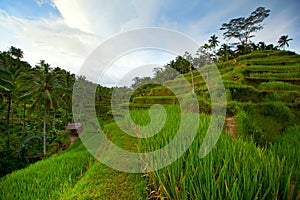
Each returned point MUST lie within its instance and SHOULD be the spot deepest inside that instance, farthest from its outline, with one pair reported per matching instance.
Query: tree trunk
(207, 79)
(66, 121)
(54, 117)
(8, 120)
(44, 133)
(12, 115)
(24, 117)
(193, 85)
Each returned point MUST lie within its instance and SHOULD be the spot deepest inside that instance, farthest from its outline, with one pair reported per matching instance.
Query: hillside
(263, 84)
(259, 160)
(73, 174)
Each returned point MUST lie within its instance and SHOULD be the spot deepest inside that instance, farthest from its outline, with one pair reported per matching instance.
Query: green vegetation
(265, 110)
(235, 169)
(256, 158)
(46, 179)
(25, 136)
(74, 174)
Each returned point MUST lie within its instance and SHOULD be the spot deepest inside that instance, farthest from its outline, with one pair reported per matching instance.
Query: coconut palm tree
(67, 81)
(45, 91)
(283, 41)
(10, 73)
(213, 41)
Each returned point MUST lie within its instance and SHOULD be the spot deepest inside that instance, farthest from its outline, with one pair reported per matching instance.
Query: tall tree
(10, 73)
(243, 28)
(284, 41)
(213, 41)
(180, 64)
(44, 91)
(67, 83)
(225, 52)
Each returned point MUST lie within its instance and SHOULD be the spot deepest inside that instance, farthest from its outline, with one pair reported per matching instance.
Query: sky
(66, 32)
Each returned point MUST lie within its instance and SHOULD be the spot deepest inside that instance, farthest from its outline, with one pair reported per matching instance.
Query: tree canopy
(243, 28)
(284, 41)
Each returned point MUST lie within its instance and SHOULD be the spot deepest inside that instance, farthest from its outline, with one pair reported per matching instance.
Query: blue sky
(65, 32)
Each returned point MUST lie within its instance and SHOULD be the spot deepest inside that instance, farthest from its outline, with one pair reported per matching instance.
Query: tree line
(35, 107)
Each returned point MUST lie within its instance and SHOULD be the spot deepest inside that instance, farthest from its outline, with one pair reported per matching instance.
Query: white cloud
(49, 39)
(139, 63)
(106, 18)
(42, 2)
(67, 40)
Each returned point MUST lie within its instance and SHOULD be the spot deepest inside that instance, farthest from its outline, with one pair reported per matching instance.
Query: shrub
(248, 127)
(279, 110)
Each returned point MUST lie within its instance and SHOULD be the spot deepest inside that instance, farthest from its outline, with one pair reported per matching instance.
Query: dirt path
(231, 125)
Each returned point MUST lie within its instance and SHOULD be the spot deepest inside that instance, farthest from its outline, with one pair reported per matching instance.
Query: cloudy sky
(65, 32)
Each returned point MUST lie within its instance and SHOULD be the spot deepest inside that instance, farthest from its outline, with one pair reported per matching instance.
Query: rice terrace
(44, 132)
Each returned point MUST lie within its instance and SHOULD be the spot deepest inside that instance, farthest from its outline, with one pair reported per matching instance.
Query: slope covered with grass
(265, 85)
(74, 174)
(260, 161)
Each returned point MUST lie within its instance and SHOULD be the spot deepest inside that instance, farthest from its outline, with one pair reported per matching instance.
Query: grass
(272, 60)
(156, 99)
(271, 68)
(48, 178)
(276, 75)
(103, 182)
(261, 162)
(278, 85)
(287, 147)
(74, 174)
(235, 169)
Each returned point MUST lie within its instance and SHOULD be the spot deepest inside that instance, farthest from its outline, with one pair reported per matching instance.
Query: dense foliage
(26, 94)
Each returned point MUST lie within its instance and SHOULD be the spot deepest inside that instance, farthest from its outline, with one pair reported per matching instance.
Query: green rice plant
(268, 118)
(273, 60)
(287, 146)
(247, 126)
(156, 100)
(278, 85)
(48, 178)
(234, 169)
(276, 75)
(286, 97)
(241, 92)
(263, 54)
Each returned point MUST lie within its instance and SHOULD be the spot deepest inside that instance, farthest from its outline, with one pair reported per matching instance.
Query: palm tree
(45, 87)
(67, 82)
(213, 41)
(283, 41)
(10, 74)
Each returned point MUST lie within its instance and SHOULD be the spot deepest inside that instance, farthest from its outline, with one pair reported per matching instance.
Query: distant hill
(262, 87)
